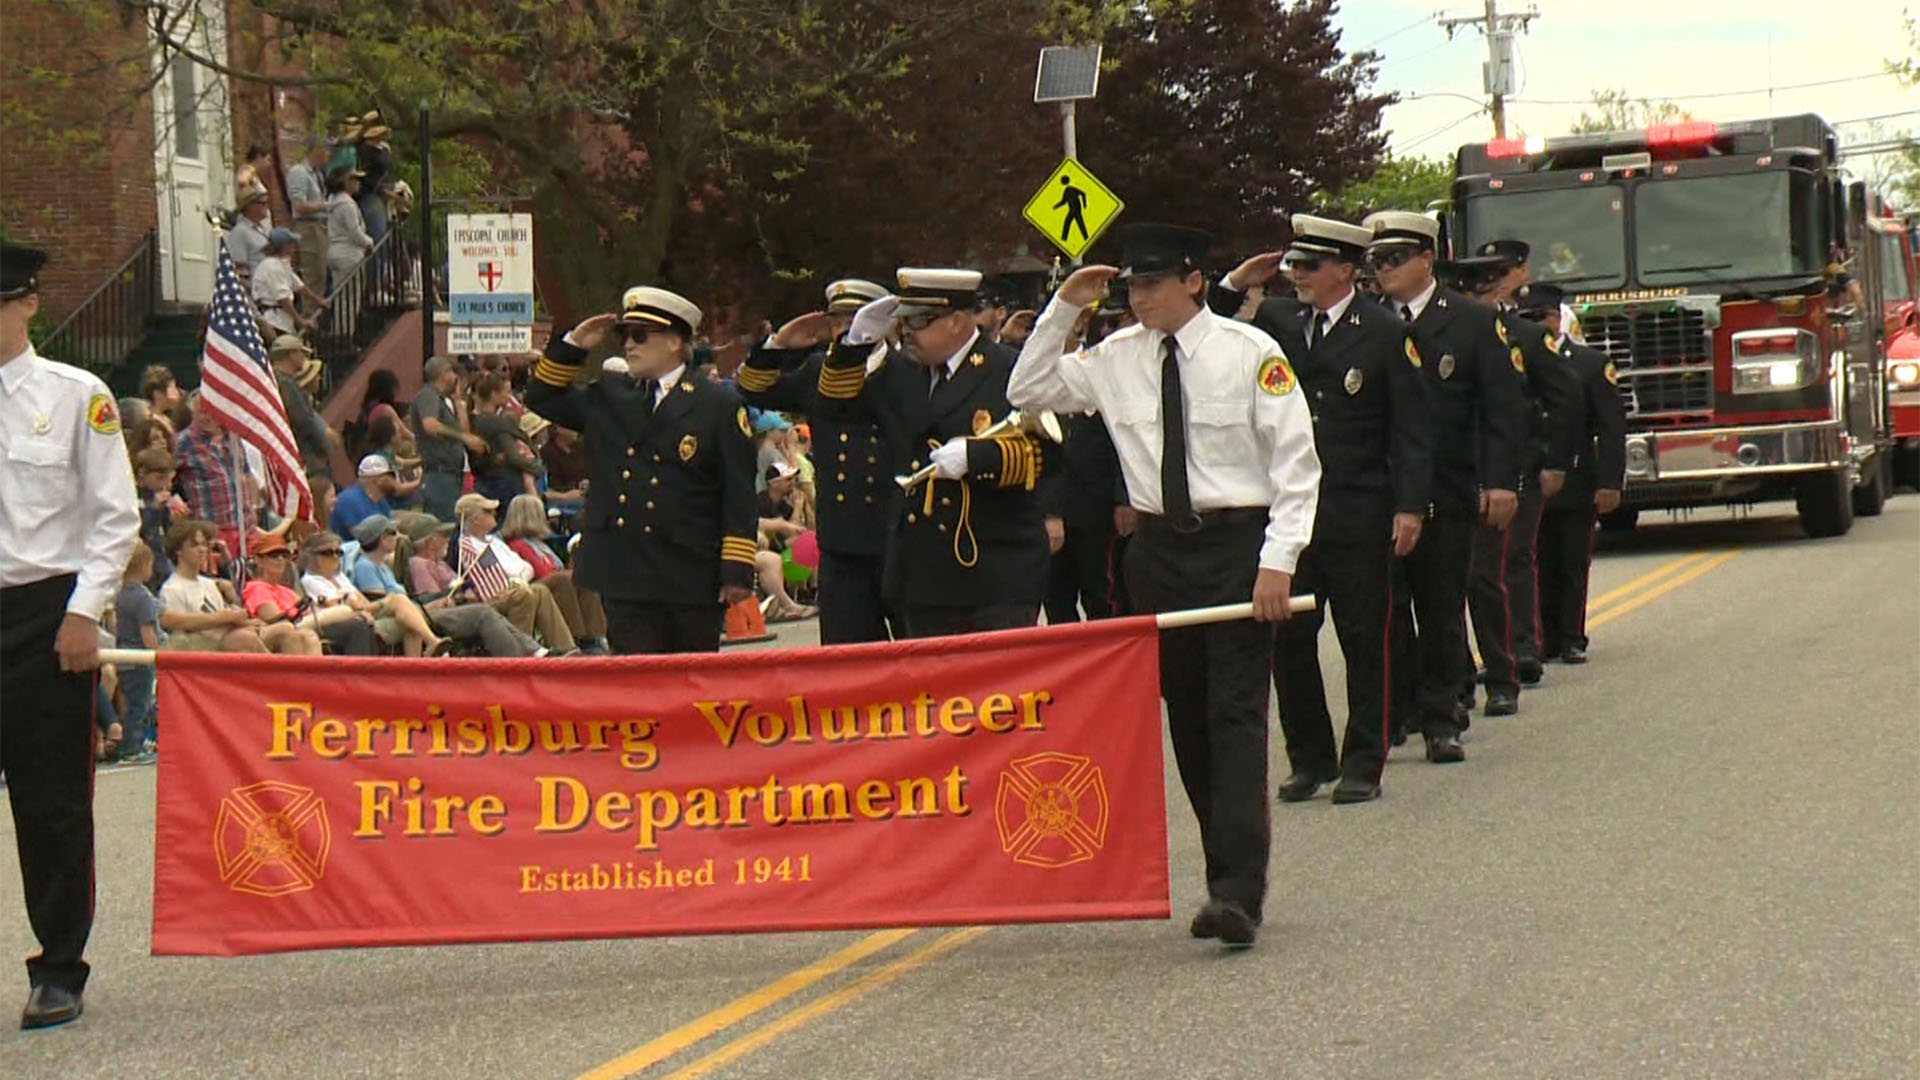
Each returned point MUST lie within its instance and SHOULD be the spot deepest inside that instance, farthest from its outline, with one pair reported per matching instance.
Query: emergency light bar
(1684, 133)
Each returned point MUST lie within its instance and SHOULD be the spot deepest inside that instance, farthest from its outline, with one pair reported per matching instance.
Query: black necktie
(1175, 499)
(1406, 312)
(652, 389)
(939, 378)
(1318, 331)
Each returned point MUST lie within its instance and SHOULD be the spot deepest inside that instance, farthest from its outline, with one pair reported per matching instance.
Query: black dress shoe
(49, 1006)
(1574, 654)
(1502, 703)
(1206, 921)
(1237, 928)
(1528, 671)
(1303, 786)
(1463, 717)
(1445, 748)
(1354, 789)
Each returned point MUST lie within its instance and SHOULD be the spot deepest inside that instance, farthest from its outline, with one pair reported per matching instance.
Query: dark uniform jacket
(1481, 417)
(852, 467)
(1600, 429)
(1371, 422)
(671, 513)
(964, 543)
(1090, 482)
(1552, 390)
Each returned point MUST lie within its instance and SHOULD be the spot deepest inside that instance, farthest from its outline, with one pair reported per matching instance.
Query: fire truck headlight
(1770, 376)
(1773, 361)
(1906, 374)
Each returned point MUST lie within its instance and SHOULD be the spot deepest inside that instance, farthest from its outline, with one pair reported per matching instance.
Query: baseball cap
(375, 465)
(472, 501)
(371, 529)
(262, 542)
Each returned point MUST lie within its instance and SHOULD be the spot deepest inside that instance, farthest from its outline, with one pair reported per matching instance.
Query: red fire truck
(1731, 274)
(1900, 246)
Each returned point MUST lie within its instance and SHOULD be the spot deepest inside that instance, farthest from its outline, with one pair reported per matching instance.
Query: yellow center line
(693, 1031)
(1669, 567)
(1661, 590)
(819, 1007)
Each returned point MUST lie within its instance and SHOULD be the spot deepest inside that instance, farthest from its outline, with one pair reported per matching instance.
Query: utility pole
(1497, 72)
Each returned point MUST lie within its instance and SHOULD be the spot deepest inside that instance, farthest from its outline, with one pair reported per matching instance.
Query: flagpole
(236, 464)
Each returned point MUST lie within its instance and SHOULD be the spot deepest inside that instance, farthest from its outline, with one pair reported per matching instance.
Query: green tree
(1616, 110)
(1397, 183)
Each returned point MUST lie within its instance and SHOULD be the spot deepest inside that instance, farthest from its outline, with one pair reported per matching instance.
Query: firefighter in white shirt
(68, 520)
(1226, 494)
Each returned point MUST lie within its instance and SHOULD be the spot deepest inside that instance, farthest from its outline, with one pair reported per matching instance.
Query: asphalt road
(1698, 856)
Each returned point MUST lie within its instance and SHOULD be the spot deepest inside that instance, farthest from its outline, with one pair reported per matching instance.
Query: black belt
(1207, 519)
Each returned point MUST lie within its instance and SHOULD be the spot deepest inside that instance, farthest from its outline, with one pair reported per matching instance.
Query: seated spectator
(365, 498)
(159, 506)
(194, 612)
(270, 597)
(428, 571)
(466, 621)
(565, 457)
(777, 530)
(136, 625)
(501, 578)
(396, 619)
(775, 433)
(526, 533)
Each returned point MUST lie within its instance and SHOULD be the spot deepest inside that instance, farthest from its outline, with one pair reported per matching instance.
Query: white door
(191, 164)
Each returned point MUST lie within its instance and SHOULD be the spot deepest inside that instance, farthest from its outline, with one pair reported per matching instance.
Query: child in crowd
(198, 616)
(159, 505)
(136, 626)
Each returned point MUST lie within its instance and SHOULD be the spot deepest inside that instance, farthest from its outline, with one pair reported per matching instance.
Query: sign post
(1067, 74)
(490, 283)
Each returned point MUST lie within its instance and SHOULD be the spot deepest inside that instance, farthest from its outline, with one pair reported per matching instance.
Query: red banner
(322, 802)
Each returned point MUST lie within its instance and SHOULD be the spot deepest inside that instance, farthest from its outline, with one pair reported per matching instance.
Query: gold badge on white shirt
(42, 424)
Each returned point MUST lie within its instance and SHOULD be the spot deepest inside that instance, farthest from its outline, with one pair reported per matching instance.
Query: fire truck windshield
(1577, 234)
(1726, 228)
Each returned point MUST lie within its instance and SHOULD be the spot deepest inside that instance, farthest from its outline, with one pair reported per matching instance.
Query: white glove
(950, 461)
(872, 321)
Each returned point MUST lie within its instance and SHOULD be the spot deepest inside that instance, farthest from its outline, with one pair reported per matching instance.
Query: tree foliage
(1616, 110)
(1397, 183)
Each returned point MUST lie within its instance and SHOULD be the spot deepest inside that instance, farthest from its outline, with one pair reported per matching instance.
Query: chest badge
(42, 424)
(689, 446)
(1355, 380)
(1446, 365)
(982, 420)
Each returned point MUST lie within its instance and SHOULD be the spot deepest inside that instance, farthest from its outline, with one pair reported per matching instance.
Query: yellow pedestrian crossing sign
(1073, 208)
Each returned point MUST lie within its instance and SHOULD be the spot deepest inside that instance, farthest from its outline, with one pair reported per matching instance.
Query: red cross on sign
(491, 273)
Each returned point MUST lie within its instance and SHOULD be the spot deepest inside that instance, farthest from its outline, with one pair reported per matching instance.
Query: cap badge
(1355, 380)
(689, 446)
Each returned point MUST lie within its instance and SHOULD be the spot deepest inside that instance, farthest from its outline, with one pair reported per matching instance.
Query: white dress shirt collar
(667, 382)
(16, 370)
(1192, 333)
(1420, 302)
(1334, 313)
(954, 361)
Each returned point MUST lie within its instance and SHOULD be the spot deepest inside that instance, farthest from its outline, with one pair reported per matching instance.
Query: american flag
(241, 393)
(481, 568)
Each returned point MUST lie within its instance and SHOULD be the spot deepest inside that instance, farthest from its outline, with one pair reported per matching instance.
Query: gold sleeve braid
(755, 380)
(842, 383)
(1019, 461)
(554, 373)
(739, 549)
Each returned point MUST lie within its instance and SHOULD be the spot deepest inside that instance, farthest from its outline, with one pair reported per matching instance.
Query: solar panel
(1067, 73)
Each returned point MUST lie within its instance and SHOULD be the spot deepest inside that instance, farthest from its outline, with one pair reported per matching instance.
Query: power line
(1721, 93)
(1870, 119)
(1414, 25)
(1444, 128)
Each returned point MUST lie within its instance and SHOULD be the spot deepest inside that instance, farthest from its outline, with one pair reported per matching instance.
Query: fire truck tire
(1871, 496)
(1620, 521)
(1825, 504)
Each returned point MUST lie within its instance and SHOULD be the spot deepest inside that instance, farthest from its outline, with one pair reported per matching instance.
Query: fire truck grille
(1665, 359)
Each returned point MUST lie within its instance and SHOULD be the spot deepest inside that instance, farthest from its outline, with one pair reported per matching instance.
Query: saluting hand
(1406, 533)
(1255, 271)
(810, 329)
(1497, 507)
(1272, 591)
(1087, 284)
(78, 643)
(592, 333)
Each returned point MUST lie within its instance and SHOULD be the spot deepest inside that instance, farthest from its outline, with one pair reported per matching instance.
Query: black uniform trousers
(931, 620)
(1502, 594)
(1084, 575)
(46, 754)
(851, 610)
(1431, 633)
(643, 628)
(1214, 681)
(1356, 582)
(1566, 556)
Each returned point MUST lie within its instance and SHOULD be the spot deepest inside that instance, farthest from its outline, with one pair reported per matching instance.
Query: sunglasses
(1388, 260)
(328, 553)
(1306, 265)
(636, 332)
(273, 555)
(922, 320)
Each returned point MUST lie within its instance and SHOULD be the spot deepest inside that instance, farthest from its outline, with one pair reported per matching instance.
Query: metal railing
(363, 304)
(109, 324)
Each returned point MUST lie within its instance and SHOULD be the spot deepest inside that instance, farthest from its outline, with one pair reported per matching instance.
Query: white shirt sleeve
(112, 508)
(1284, 427)
(1044, 378)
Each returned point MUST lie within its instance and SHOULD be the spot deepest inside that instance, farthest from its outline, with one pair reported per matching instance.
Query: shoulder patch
(1519, 362)
(746, 425)
(1413, 353)
(102, 416)
(1612, 373)
(1275, 376)
(1500, 328)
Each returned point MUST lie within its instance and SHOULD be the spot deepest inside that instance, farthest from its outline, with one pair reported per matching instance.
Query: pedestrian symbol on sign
(1072, 208)
(1075, 202)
